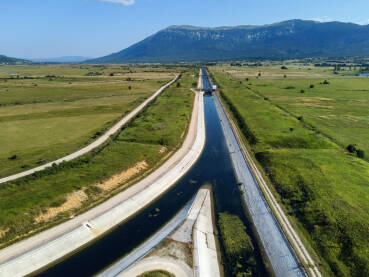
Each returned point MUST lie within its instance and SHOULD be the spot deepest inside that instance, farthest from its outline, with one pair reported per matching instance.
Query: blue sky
(92, 28)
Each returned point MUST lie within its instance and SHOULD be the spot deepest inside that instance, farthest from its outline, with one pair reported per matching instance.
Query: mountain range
(288, 39)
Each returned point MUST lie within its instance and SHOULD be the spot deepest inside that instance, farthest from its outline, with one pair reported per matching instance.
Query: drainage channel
(213, 167)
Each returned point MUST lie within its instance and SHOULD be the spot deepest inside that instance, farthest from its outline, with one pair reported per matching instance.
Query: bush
(301, 118)
(360, 153)
(290, 87)
(302, 91)
(311, 86)
(14, 157)
(325, 82)
(284, 67)
(351, 148)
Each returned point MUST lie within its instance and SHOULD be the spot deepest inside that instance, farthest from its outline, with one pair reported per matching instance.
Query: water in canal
(214, 167)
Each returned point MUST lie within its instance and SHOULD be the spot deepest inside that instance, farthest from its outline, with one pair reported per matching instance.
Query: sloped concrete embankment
(195, 223)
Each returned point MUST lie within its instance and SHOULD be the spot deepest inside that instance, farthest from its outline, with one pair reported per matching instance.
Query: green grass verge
(238, 247)
(157, 273)
(164, 121)
(323, 188)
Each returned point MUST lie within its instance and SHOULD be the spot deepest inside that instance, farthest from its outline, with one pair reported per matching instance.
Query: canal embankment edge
(292, 236)
(52, 245)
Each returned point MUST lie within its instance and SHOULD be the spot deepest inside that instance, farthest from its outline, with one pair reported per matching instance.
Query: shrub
(266, 98)
(302, 91)
(311, 86)
(325, 82)
(301, 118)
(284, 67)
(360, 153)
(290, 87)
(14, 157)
(351, 148)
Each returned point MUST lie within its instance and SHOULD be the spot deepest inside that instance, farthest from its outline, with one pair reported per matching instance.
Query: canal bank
(213, 167)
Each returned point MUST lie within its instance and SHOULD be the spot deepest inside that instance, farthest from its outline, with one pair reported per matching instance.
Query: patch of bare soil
(174, 249)
(74, 200)
(119, 178)
(3, 232)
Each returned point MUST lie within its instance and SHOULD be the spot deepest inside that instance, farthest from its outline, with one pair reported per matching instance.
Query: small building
(215, 87)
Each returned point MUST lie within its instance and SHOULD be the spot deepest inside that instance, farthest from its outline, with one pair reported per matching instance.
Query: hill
(9, 60)
(288, 39)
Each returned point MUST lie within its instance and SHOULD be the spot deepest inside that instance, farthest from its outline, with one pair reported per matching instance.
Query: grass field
(36, 202)
(50, 111)
(300, 139)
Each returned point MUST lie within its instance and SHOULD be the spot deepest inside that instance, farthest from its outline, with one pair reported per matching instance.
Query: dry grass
(119, 178)
(74, 200)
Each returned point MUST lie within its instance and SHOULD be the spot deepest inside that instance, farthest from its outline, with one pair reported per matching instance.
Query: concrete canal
(213, 167)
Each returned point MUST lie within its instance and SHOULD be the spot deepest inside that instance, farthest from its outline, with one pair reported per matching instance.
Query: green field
(36, 202)
(299, 139)
(49, 111)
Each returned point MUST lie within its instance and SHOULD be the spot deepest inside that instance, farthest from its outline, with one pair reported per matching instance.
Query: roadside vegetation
(49, 197)
(238, 246)
(301, 140)
(157, 273)
(48, 111)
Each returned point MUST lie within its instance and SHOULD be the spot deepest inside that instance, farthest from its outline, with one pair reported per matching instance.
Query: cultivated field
(298, 127)
(49, 111)
(36, 202)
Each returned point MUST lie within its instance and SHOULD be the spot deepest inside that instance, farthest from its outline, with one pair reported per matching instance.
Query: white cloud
(124, 2)
(365, 22)
(323, 19)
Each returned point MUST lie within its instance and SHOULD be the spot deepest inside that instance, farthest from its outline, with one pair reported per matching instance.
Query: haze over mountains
(66, 59)
(288, 39)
